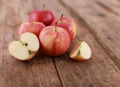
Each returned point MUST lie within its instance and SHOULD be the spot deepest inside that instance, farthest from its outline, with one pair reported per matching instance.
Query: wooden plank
(2, 12)
(103, 25)
(111, 5)
(100, 71)
(39, 72)
(12, 13)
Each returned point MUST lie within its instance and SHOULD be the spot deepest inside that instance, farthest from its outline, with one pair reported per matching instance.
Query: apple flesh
(25, 48)
(33, 27)
(81, 51)
(68, 24)
(54, 40)
(44, 16)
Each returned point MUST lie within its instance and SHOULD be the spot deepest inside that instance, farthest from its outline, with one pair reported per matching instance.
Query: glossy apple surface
(54, 40)
(68, 24)
(44, 16)
(33, 27)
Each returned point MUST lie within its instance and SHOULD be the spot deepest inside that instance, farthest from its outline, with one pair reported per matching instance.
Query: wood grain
(95, 25)
(104, 26)
(93, 73)
(39, 72)
(112, 5)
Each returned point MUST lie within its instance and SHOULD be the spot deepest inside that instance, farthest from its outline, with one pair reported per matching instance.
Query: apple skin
(44, 16)
(68, 24)
(33, 27)
(79, 56)
(54, 40)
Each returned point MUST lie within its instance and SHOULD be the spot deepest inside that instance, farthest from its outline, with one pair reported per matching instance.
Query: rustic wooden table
(98, 23)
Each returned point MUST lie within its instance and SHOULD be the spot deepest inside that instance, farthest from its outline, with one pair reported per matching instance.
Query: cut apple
(81, 51)
(25, 48)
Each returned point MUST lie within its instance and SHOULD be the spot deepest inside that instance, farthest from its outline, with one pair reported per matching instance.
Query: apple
(33, 27)
(44, 16)
(81, 51)
(68, 24)
(54, 40)
(25, 48)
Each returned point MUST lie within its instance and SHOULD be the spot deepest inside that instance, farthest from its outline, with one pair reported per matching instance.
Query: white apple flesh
(81, 51)
(25, 48)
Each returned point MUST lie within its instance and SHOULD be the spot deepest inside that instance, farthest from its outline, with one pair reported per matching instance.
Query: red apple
(44, 16)
(68, 24)
(54, 40)
(33, 27)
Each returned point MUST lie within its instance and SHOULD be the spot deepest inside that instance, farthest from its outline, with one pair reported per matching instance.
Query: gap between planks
(83, 22)
(29, 63)
(33, 4)
(57, 72)
(106, 8)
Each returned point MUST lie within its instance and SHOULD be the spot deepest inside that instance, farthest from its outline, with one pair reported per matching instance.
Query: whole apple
(54, 40)
(33, 27)
(44, 16)
(68, 24)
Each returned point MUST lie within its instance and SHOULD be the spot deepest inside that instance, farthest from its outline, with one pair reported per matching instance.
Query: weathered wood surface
(98, 23)
(103, 24)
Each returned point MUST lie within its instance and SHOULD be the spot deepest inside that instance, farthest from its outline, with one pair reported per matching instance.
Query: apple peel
(81, 51)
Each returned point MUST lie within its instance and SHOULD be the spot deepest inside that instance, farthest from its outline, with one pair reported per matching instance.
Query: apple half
(81, 51)
(25, 48)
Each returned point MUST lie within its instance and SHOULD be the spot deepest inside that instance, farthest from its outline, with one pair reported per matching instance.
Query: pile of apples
(52, 36)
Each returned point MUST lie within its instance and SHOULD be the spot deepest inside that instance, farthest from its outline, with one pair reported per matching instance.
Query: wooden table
(98, 23)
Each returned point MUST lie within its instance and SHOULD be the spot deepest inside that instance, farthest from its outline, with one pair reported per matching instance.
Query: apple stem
(61, 18)
(55, 26)
(43, 6)
(55, 29)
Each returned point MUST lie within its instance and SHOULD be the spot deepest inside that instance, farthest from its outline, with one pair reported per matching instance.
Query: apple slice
(81, 51)
(25, 48)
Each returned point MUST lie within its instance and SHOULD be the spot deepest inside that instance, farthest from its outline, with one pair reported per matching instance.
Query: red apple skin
(33, 27)
(54, 40)
(44, 16)
(68, 24)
